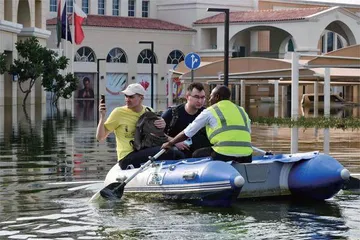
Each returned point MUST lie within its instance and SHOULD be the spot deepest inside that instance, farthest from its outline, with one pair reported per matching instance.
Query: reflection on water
(283, 110)
(133, 218)
(44, 150)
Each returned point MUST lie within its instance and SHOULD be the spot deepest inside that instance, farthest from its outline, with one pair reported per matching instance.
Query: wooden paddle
(115, 190)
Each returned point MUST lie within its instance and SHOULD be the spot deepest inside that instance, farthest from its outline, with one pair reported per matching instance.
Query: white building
(258, 28)
(20, 19)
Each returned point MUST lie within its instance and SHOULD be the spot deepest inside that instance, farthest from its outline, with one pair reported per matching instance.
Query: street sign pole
(192, 75)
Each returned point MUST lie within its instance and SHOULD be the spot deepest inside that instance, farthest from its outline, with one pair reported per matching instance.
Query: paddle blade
(113, 191)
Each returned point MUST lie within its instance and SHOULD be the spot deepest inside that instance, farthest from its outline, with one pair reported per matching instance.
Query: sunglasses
(131, 96)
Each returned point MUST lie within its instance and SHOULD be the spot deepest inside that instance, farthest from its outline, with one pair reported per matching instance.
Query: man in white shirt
(227, 126)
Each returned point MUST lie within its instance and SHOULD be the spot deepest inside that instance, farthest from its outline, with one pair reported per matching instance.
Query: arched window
(145, 56)
(116, 55)
(175, 57)
(290, 47)
(84, 54)
(331, 41)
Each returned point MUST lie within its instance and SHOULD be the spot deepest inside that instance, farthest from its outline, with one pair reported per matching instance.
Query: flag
(79, 16)
(58, 23)
(65, 25)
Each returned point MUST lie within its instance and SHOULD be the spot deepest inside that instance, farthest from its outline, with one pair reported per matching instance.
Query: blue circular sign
(192, 60)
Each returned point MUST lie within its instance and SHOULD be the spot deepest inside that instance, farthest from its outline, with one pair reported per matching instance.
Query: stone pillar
(294, 140)
(326, 141)
(242, 96)
(294, 85)
(327, 92)
(14, 118)
(276, 98)
(283, 101)
(237, 93)
(316, 99)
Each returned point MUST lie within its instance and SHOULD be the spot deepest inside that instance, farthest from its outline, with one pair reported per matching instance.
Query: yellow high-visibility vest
(231, 136)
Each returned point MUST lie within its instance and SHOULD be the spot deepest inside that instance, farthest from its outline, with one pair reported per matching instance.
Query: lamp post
(98, 82)
(98, 76)
(226, 42)
(152, 70)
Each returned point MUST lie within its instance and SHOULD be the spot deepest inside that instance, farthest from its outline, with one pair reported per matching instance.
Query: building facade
(20, 19)
(112, 57)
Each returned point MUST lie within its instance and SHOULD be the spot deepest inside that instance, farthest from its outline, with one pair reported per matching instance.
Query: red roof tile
(128, 22)
(263, 15)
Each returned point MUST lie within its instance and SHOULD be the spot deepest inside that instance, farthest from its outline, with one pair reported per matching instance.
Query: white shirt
(205, 118)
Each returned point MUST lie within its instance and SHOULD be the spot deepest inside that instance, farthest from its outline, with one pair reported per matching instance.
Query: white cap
(134, 88)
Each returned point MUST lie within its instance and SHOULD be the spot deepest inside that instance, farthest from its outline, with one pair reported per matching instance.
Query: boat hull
(202, 181)
(304, 175)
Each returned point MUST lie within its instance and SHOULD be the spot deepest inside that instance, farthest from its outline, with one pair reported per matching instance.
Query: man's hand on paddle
(180, 138)
(167, 145)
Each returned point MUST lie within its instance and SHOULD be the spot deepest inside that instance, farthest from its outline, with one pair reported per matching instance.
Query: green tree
(2, 63)
(37, 63)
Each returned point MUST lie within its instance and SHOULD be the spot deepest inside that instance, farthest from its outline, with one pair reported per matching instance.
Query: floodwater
(50, 163)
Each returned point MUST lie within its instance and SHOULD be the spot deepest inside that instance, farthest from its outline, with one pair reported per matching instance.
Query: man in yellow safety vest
(227, 127)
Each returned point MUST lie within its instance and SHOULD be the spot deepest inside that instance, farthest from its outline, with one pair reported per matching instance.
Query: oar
(259, 150)
(262, 151)
(115, 190)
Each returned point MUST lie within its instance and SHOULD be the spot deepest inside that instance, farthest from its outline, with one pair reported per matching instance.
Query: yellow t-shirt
(122, 121)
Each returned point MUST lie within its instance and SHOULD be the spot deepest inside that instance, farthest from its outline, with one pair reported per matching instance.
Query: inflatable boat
(207, 181)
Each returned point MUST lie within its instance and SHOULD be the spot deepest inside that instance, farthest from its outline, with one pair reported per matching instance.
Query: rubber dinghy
(209, 182)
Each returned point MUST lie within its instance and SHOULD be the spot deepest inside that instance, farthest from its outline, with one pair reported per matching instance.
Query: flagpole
(66, 32)
(72, 38)
(57, 30)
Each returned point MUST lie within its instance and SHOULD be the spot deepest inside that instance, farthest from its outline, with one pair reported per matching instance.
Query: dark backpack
(199, 140)
(146, 133)
(174, 117)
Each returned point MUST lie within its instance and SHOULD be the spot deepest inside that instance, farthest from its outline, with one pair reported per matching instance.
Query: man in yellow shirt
(227, 128)
(122, 121)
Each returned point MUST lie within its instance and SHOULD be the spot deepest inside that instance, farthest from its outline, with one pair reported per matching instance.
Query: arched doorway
(23, 14)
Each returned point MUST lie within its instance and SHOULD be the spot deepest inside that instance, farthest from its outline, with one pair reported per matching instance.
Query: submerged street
(51, 164)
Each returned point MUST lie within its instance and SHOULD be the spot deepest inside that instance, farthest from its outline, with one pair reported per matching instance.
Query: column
(237, 93)
(242, 95)
(294, 140)
(124, 8)
(316, 99)
(326, 140)
(356, 99)
(276, 98)
(327, 92)
(138, 8)
(14, 94)
(15, 118)
(294, 85)
(170, 89)
(283, 101)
